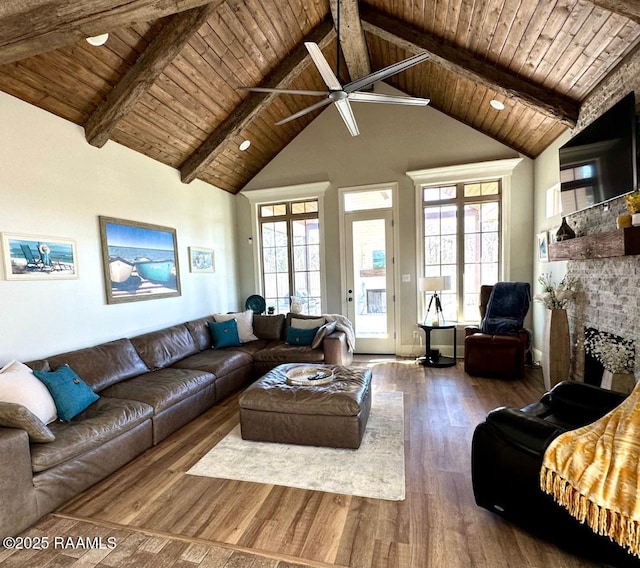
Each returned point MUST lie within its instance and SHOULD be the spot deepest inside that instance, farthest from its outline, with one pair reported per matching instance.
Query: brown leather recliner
(500, 355)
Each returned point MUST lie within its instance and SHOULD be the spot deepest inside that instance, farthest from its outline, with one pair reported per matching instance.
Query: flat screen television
(600, 162)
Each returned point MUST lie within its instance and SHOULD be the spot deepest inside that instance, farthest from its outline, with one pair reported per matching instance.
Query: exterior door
(370, 279)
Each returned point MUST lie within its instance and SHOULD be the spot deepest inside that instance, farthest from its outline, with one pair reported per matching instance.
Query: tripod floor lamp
(435, 284)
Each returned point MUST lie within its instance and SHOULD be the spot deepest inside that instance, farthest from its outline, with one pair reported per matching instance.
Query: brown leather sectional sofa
(149, 386)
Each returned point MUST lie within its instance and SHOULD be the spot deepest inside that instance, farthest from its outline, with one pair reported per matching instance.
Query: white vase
(555, 352)
(635, 219)
(620, 382)
(296, 305)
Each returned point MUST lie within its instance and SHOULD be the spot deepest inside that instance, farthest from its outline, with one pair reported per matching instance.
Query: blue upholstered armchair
(498, 347)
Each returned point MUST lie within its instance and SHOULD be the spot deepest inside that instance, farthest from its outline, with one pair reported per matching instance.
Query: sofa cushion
(249, 348)
(104, 364)
(224, 333)
(162, 388)
(244, 321)
(199, 330)
(19, 386)
(70, 393)
(279, 351)
(318, 321)
(296, 336)
(101, 422)
(324, 330)
(268, 327)
(307, 323)
(17, 416)
(159, 349)
(218, 362)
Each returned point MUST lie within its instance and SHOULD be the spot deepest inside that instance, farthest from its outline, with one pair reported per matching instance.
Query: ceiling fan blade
(344, 108)
(384, 73)
(323, 66)
(284, 91)
(304, 111)
(382, 98)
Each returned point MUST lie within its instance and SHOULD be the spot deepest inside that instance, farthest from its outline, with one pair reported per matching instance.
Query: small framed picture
(201, 259)
(28, 257)
(543, 246)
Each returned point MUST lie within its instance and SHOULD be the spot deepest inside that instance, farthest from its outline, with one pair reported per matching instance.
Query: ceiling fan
(342, 95)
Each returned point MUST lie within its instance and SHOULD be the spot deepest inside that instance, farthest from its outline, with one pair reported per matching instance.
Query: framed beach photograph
(201, 259)
(543, 246)
(30, 257)
(140, 260)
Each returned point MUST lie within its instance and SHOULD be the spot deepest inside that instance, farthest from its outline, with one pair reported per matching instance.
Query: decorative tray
(309, 376)
(256, 303)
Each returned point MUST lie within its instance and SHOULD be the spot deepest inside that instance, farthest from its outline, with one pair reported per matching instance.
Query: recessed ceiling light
(98, 40)
(498, 105)
(245, 145)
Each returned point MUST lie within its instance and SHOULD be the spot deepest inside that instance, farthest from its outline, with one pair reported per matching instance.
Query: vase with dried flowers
(556, 296)
(617, 356)
(556, 352)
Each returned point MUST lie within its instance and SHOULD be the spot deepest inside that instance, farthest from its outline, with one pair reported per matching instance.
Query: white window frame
(269, 196)
(465, 173)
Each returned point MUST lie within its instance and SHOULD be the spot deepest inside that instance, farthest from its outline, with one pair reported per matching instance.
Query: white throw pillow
(245, 324)
(19, 385)
(299, 323)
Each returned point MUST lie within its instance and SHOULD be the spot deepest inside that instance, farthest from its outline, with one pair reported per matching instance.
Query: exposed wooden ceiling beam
(241, 116)
(627, 8)
(352, 40)
(559, 108)
(149, 66)
(30, 27)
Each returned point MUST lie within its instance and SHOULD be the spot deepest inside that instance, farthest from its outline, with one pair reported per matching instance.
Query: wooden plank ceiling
(165, 83)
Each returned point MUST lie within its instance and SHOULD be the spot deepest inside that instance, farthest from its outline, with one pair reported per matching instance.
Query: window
(461, 239)
(290, 254)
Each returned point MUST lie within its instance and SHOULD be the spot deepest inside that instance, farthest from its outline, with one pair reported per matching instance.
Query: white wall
(393, 140)
(547, 175)
(53, 183)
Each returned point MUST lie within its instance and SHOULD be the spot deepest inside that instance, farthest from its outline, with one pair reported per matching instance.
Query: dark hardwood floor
(438, 525)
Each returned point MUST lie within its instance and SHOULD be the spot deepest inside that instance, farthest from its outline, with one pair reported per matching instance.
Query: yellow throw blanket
(594, 472)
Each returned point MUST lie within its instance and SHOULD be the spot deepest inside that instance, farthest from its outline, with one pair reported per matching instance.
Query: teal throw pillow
(224, 333)
(297, 336)
(70, 393)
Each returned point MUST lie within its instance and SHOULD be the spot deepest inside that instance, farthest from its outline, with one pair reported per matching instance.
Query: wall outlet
(415, 334)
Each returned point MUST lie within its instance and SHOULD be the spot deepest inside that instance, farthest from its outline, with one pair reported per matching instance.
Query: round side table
(441, 360)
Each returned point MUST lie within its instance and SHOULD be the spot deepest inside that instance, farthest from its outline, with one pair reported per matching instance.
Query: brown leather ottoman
(333, 415)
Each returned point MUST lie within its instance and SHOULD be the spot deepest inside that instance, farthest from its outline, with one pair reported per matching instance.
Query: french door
(370, 292)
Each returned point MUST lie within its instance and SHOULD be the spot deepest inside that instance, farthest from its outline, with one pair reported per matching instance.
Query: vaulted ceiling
(166, 82)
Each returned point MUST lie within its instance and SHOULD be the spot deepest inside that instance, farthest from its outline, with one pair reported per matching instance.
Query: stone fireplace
(608, 299)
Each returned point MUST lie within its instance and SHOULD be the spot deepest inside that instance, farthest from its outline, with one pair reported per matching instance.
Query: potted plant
(633, 203)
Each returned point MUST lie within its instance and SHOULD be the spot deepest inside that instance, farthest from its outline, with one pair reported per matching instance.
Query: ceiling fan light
(98, 40)
(496, 104)
(244, 145)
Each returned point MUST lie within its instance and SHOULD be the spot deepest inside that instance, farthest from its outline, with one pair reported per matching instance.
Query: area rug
(374, 470)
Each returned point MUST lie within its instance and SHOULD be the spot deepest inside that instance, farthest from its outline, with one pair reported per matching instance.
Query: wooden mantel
(621, 242)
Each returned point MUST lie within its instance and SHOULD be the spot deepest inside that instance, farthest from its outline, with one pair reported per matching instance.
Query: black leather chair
(506, 458)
